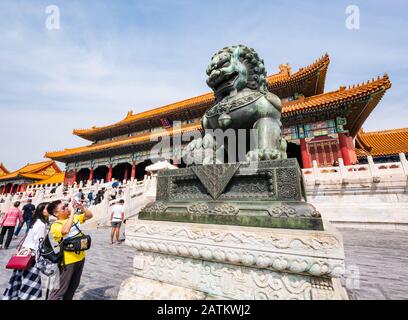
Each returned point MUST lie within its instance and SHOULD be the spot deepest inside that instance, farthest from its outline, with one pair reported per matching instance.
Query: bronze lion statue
(237, 76)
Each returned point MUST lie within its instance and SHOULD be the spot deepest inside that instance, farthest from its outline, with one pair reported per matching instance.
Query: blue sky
(110, 57)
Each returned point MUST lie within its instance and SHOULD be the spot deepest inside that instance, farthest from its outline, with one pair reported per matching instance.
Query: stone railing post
(373, 169)
(343, 171)
(404, 163)
(41, 196)
(316, 172)
(105, 210)
(128, 205)
(60, 191)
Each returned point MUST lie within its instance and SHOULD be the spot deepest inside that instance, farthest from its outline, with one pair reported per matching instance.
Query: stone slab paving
(381, 258)
(376, 265)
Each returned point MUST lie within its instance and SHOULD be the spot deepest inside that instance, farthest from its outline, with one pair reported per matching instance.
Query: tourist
(26, 284)
(28, 211)
(116, 219)
(8, 224)
(79, 196)
(66, 227)
(91, 197)
(98, 197)
(113, 193)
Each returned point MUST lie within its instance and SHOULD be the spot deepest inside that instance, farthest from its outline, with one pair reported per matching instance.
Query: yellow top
(70, 257)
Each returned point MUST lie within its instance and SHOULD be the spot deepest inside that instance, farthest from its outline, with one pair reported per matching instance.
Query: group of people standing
(26, 284)
(96, 197)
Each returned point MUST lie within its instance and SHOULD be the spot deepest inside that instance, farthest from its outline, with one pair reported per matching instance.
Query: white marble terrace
(373, 195)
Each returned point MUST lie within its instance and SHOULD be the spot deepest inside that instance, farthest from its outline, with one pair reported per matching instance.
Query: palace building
(383, 146)
(318, 125)
(17, 181)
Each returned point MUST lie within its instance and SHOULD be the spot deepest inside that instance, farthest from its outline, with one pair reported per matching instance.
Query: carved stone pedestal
(233, 231)
(266, 194)
(202, 261)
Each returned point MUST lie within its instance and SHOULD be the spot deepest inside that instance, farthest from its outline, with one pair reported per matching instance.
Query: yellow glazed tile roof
(311, 103)
(56, 178)
(281, 79)
(30, 171)
(341, 95)
(145, 137)
(382, 143)
(3, 170)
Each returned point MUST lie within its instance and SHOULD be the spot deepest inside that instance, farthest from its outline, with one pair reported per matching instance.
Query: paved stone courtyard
(379, 257)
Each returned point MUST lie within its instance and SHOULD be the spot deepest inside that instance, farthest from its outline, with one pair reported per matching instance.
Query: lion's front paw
(263, 154)
(200, 151)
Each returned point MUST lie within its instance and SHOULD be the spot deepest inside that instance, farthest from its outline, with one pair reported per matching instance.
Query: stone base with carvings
(205, 261)
(266, 194)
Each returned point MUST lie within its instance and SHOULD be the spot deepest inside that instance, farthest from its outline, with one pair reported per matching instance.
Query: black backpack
(46, 250)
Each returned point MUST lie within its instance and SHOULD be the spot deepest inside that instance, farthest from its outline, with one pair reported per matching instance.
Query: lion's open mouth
(223, 82)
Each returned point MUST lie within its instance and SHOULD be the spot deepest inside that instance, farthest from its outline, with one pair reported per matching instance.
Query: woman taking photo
(26, 284)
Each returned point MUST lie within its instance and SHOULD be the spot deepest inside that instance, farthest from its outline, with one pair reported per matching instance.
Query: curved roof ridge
(370, 85)
(387, 131)
(274, 81)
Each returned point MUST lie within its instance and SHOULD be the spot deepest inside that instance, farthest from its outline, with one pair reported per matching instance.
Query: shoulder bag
(23, 260)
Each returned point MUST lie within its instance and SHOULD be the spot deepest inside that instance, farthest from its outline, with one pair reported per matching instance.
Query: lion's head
(236, 67)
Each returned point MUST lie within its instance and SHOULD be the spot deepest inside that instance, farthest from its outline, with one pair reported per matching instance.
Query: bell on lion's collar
(224, 121)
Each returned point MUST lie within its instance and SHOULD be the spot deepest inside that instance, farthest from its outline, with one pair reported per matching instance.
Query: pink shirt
(11, 217)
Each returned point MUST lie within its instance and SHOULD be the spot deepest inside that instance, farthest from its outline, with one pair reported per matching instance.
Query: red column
(91, 174)
(126, 173)
(13, 186)
(109, 174)
(344, 149)
(307, 163)
(74, 177)
(352, 150)
(133, 174)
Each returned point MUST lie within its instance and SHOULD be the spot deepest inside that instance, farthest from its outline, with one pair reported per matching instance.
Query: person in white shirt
(26, 284)
(116, 219)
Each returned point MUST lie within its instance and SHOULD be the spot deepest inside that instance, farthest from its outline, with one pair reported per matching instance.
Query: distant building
(318, 126)
(17, 181)
(383, 146)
